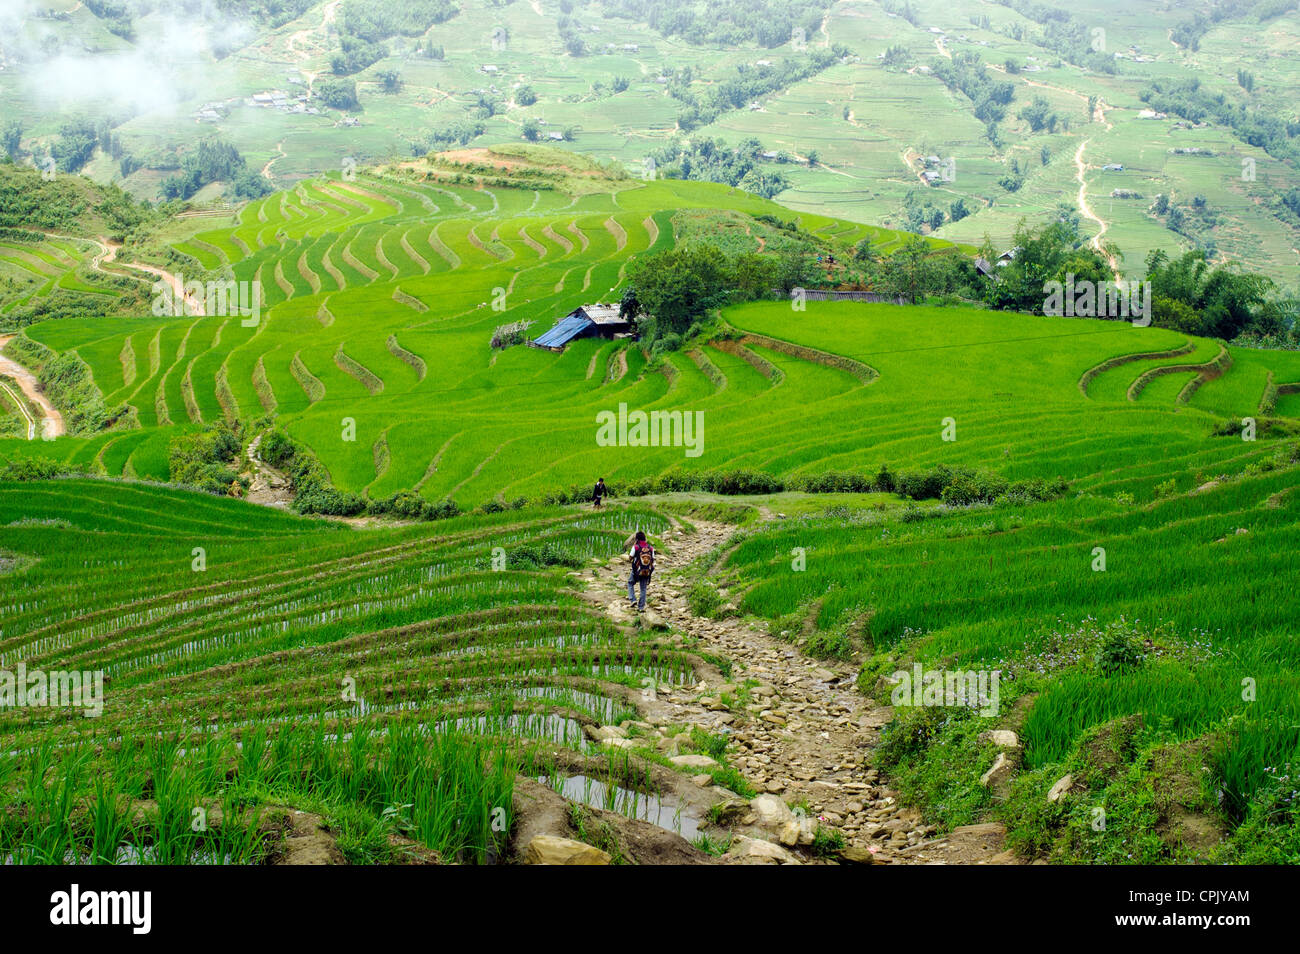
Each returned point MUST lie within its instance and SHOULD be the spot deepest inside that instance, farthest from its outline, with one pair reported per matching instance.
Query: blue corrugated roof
(565, 330)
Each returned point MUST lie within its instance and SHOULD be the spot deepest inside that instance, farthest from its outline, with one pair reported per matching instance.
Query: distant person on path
(643, 566)
(599, 491)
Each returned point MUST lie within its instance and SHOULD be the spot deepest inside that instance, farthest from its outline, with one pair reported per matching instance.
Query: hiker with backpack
(643, 566)
(599, 491)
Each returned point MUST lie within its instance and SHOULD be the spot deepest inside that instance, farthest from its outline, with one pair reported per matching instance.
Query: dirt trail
(805, 736)
(268, 486)
(266, 169)
(1079, 168)
(51, 424)
(108, 253)
(192, 304)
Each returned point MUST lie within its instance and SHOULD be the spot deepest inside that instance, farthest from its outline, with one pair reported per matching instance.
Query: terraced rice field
(381, 293)
(294, 639)
(340, 666)
(33, 266)
(379, 296)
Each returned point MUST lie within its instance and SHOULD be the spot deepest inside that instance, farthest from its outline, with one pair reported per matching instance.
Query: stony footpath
(800, 737)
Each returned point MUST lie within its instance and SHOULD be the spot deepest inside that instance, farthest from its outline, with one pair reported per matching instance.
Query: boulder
(549, 850)
(771, 812)
(602, 733)
(1063, 785)
(998, 773)
(754, 851)
(1002, 738)
(853, 855)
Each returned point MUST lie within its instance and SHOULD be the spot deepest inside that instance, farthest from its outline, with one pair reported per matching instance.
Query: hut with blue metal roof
(586, 321)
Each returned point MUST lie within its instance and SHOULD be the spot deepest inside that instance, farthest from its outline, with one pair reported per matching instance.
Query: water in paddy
(664, 811)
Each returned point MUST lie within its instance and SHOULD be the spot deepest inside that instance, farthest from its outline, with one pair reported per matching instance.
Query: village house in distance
(585, 321)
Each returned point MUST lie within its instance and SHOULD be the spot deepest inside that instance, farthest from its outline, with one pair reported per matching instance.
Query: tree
(338, 94)
(11, 138)
(525, 96)
(390, 81)
(532, 130)
(795, 270)
(909, 272)
(678, 286)
(1225, 302)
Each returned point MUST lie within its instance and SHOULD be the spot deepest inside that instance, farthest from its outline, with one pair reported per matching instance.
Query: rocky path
(801, 741)
(267, 486)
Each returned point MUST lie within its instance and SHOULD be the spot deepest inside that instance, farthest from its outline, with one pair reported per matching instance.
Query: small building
(586, 321)
(1113, 167)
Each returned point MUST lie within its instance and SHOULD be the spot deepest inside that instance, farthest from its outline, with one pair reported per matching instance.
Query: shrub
(207, 460)
(33, 468)
(1120, 650)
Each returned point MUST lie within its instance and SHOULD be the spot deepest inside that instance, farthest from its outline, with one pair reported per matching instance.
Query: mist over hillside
(1161, 124)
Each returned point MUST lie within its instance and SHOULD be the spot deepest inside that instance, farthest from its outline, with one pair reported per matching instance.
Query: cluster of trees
(1040, 116)
(676, 288)
(338, 94)
(1069, 38)
(276, 13)
(746, 84)
(78, 139)
(711, 160)
(115, 15)
(1193, 102)
(29, 201)
(215, 161)
(1188, 33)
(896, 58)
(458, 133)
(1190, 295)
(768, 23)
(570, 31)
(968, 74)
(364, 25)
(355, 54)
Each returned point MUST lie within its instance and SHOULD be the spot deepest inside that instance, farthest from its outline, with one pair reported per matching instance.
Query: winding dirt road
(1079, 168)
(51, 423)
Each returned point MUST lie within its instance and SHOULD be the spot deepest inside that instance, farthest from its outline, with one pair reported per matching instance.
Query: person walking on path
(643, 566)
(599, 491)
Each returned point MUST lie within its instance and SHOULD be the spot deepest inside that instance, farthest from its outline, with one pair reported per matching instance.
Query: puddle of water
(665, 812)
(131, 855)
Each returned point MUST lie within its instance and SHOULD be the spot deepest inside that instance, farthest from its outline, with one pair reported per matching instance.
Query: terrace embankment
(802, 742)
